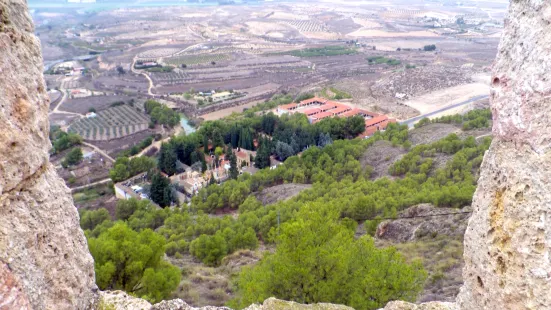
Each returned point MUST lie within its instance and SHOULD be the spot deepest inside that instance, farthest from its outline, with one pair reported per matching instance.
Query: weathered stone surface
(421, 220)
(508, 240)
(43, 249)
(119, 300)
(23, 99)
(178, 304)
(401, 305)
(276, 304)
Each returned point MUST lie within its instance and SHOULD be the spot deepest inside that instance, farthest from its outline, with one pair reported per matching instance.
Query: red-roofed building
(322, 115)
(340, 110)
(286, 108)
(311, 101)
(350, 113)
(327, 107)
(312, 111)
(375, 124)
(366, 113)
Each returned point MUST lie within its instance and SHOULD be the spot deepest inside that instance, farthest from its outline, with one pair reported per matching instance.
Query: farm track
(91, 185)
(149, 92)
(97, 149)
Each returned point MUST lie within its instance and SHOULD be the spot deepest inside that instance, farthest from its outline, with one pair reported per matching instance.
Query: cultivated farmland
(115, 122)
(190, 60)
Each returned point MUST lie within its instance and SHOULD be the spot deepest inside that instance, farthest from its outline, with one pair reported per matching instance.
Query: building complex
(317, 109)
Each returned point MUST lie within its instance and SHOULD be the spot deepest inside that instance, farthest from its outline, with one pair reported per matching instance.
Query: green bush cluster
(161, 114)
(480, 118)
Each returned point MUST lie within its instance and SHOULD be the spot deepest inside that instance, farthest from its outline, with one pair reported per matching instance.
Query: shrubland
(323, 259)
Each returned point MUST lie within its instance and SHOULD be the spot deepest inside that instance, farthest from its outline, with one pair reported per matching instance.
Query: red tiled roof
(340, 110)
(366, 112)
(323, 115)
(311, 111)
(350, 113)
(288, 106)
(375, 120)
(312, 100)
(327, 106)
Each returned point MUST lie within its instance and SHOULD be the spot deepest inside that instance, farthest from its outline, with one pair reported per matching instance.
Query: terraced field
(113, 123)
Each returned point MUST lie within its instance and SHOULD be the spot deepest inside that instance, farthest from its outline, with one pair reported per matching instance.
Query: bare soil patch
(380, 156)
(83, 105)
(436, 240)
(438, 99)
(281, 192)
(432, 133)
(61, 119)
(115, 146)
(208, 286)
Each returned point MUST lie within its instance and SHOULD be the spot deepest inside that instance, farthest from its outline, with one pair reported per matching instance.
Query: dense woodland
(319, 263)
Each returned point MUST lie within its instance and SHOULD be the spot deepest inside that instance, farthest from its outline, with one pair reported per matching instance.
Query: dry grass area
(437, 241)
(228, 111)
(281, 192)
(381, 155)
(432, 133)
(208, 286)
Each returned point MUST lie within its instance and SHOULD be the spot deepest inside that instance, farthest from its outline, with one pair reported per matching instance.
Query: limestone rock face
(118, 300)
(277, 304)
(401, 305)
(43, 252)
(508, 239)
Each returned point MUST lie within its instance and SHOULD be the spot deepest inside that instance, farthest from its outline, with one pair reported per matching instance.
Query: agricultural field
(98, 103)
(307, 26)
(156, 53)
(113, 123)
(190, 60)
(323, 51)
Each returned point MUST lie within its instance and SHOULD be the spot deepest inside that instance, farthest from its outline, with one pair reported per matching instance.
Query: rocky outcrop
(401, 305)
(423, 220)
(119, 300)
(508, 240)
(44, 258)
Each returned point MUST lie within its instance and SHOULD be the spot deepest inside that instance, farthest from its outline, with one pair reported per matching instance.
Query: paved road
(410, 122)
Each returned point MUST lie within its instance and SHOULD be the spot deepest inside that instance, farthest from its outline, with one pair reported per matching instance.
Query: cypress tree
(234, 173)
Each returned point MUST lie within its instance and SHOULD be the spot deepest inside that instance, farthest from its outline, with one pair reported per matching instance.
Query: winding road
(410, 122)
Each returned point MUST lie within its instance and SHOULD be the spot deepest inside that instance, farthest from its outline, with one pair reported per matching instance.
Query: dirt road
(97, 149)
(90, 185)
